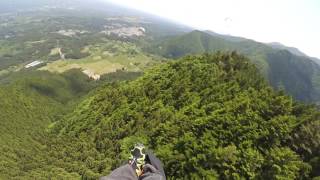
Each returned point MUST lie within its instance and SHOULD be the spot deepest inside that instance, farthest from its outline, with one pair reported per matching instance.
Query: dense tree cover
(287, 70)
(297, 75)
(205, 116)
(208, 116)
(30, 102)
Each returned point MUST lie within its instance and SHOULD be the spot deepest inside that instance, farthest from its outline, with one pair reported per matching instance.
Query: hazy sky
(291, 22)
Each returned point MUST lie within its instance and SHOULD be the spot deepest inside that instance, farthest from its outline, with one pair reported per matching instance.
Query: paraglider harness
(140, 157)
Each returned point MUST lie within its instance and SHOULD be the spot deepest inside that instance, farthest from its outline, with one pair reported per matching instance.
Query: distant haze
(291, 22)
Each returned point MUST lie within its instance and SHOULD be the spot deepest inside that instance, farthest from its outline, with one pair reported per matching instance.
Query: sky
(293, 23)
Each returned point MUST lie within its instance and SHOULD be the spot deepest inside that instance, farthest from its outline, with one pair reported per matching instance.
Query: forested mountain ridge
(30, 102)
(297, 75)
(109, 38)
(293, 50)
(209, 116)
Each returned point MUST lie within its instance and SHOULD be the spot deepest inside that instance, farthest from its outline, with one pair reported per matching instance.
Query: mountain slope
(199, 42)
(30, 102)
(293, 50)
(298, 75)
(210, 116)
(226, 37)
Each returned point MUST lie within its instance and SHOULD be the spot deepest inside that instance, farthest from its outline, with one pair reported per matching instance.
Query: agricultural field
(107, 57)
(70, 40)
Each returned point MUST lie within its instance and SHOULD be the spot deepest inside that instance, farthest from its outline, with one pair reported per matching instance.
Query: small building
(33, 64)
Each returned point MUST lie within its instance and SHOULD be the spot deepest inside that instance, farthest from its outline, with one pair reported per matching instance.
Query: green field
(106, 58)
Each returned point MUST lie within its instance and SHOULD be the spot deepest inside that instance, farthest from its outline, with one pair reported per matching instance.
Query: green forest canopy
(297, 75)
(30, 101)
(208, 116)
